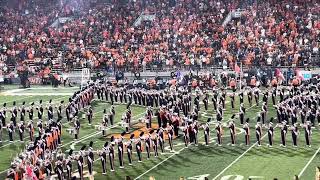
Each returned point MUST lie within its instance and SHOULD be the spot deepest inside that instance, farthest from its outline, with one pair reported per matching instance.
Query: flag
(237, 68)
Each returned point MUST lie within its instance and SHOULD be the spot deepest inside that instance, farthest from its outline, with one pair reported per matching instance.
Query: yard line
(159, 163)
(305, 167)
(233, 162)
(182, 150)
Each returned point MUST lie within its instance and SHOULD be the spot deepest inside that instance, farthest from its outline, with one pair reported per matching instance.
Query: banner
(34, 80)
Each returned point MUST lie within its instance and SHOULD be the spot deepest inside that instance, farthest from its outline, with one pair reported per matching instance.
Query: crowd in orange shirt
(186, 34)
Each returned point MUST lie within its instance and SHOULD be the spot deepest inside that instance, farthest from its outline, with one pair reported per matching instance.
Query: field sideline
(225, 163)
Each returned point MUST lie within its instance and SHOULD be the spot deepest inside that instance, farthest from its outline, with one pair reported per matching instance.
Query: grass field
(225, 162)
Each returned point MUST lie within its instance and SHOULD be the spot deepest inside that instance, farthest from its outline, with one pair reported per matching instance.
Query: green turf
(265, 162)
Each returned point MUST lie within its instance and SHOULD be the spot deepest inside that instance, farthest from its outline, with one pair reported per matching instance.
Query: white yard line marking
(159, 164)
(306, 166)
(236, 160)
(185, 148)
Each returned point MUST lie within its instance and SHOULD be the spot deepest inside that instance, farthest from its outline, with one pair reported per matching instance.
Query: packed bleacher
(183, 34)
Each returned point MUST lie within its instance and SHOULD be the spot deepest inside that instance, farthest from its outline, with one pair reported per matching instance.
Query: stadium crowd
(184, 33)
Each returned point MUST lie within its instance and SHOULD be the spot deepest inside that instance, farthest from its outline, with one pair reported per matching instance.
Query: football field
(224, 162)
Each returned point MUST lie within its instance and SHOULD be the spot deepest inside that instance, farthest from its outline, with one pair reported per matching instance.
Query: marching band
(175, 111)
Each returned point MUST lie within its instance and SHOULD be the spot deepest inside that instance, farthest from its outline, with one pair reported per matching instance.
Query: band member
(111, 154)
(274, 95)
(186, 137)
(103, 157)
(90, 158)
(48, 166)
(129, 148)
(241, 97)
(242, 113)
(90, 115)
(169, 130)
(112, 115)
(59, 110)
(263, 112)
(219, 133)
(80, 161)
(195, 130)
(270, 133)
(160, 136)
(104, 123)
(69, 164)
(284, 130)
(205, 102)
(206, 128)
(31, 130)
(256, 95)
(40, 110)
(258, 132)
(10, 129)
(121, 149)
(59, 169)
(22, 111)
(21, 128)
(50, 110)
(307, 133)
(14, 114)
(246, 128)
(139, 146)
(232, 129)
(148, 143)
(76, 126)
(295, 133)
(232, 100)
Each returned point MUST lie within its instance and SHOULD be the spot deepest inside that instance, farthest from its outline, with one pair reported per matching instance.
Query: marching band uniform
(283, 134)
(170, 135)
(22, 112)
(258, 133)
(112, 115)
(186, 134)
(104, 122)
(148, 144)
(270, 133)
(139, 146)
(90, 115)
(80, 162)
(219, 133)
(76, 130)
(21, 130)
(206, 131)
(294, 133)
(69, 165)
(90, 159)
(246, 129)
(242, 113)
(307, 133)
(50, 110)
(120, 150)
(40, 111)
(161, 138)
(4, 115)
(129, 148)
(111, 154)
(59, 170)
(10, 128)
(232, 129)
(103, 158)
(232, 100)
(31, 130)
